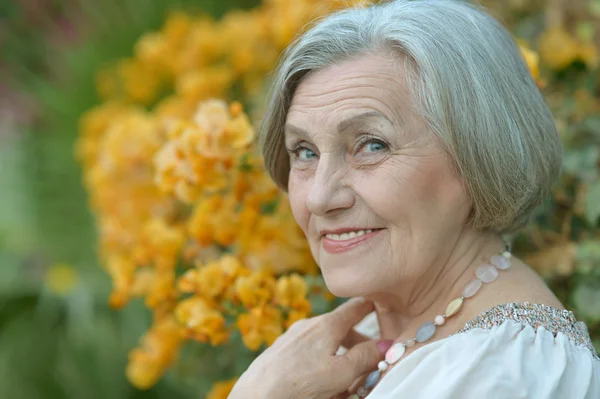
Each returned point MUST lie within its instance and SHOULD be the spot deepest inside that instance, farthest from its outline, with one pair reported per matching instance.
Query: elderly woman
(410, 137)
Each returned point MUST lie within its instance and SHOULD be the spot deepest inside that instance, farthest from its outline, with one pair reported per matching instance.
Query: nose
(328, 193)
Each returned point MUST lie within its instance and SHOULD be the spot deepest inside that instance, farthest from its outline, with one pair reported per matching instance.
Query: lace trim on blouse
(536, 315)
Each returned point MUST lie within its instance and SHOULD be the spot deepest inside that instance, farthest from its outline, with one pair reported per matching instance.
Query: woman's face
(363, 159)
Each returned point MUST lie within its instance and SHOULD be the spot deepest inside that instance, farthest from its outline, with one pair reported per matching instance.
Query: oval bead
(439, 320)
(507, 254)
(453, 307)
(372, 379)
(472, 287)
(500, 262)
(425, 332)
(394, 353)
(382, 366)
(362, 392)
(409, 343)
(486, 273)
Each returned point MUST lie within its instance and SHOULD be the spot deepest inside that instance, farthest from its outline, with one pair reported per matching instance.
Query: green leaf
(592, 203)
(582, 162)
(586, 299)
(594, 7)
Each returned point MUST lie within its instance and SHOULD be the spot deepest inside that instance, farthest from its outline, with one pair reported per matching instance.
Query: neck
(401, 311)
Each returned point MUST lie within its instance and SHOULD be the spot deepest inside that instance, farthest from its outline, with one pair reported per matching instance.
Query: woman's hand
(302, 363)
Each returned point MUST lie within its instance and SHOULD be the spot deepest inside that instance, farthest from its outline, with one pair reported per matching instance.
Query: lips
(339, 244)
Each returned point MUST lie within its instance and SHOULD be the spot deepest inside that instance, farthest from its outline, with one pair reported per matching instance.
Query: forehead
(371, 83)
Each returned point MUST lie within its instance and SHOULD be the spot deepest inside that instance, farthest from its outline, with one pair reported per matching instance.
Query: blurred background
(59, 338)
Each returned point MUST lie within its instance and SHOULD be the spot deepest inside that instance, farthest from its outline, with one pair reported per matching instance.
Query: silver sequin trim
(536, 315)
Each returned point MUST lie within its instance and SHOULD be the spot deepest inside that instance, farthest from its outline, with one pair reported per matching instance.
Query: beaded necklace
(485, 273)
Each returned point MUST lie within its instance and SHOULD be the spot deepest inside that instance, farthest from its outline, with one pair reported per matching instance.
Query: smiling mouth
(349, 235)
(336, 243)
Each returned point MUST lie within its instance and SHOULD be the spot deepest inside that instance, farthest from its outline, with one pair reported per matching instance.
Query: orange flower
(260, 325)
(293, 316)
(164, 242)
(255, 289)
(158, 350)
(290, 292)
(202, 322)
(532, 59)
(558, 48)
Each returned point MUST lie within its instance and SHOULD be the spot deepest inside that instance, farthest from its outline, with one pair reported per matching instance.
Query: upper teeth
(347, 236)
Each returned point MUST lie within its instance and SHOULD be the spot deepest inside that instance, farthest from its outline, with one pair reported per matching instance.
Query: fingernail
(384, 345)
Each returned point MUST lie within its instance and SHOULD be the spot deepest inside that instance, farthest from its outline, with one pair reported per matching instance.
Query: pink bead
(472, 288)
(486, 273)
(395, 353)
(500, 262)
(439, 320)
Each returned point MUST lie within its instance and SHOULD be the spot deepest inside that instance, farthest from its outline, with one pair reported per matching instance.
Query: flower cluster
(187, 217)
(190, 222)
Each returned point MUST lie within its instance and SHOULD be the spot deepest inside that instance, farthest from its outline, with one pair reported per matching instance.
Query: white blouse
(512, 351)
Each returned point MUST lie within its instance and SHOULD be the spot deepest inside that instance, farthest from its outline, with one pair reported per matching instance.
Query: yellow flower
(290, 292)
(588, 54)
(121, 271)
(558, 48)
(293, 316)
(255, 289)
(202, 84)
(200, 224)
(158, 350)
(202, 322)
(212, 280)
(278, 243)
(223, 131)
(162, 290)
(182, 184)
(532, 59)
(221, 389)
(174, 108)
(141, 81)
(200, 155)
(61, 278)
(164, 242)
(93, 125)
(203, 46)
(177, 27)
(260, 325)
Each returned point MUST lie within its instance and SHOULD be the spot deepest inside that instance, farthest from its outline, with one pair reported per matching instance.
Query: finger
(348, 314)
(353, 338)
(357, 383)
(361, 359)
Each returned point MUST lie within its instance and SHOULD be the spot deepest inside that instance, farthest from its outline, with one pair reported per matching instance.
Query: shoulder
(517, 350)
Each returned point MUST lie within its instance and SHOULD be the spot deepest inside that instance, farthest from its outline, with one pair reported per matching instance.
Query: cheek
(424, 190)
(441, 189)
(297, 192)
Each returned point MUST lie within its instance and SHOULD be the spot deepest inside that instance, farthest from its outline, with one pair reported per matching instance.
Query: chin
(343, 285)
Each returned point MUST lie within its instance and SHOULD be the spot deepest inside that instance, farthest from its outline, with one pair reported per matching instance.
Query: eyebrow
(343, 125)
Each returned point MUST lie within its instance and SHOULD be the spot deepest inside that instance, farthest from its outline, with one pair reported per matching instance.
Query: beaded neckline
(535, 315)
(486, 273)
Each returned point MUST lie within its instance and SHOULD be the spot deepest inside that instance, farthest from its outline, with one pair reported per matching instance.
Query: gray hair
(469, 81)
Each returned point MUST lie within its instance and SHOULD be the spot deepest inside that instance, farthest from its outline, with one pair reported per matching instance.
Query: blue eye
(370, 144)
(375, 146)
(308, 154)
(302, 153)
